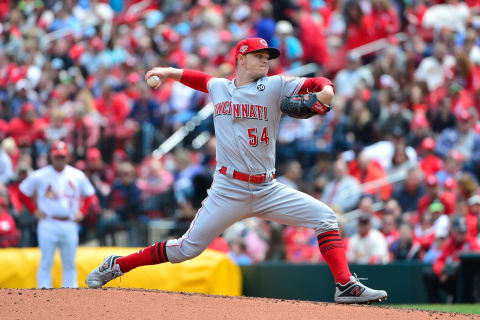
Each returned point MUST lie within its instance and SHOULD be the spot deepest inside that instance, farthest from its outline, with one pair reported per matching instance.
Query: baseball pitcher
(247, 112)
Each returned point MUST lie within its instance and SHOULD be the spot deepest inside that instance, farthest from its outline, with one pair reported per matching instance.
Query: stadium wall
(402, 281)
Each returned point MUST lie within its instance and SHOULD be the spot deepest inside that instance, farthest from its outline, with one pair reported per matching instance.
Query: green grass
(462, 308)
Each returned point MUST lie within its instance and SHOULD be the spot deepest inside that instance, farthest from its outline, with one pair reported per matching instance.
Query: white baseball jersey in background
(246, 123)
(58, 196)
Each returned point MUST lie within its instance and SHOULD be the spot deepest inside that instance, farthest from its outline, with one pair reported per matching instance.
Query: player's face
(59, 162)
(256, 64)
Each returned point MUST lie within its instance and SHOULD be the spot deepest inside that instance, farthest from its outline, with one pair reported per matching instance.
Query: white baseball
(153, 81)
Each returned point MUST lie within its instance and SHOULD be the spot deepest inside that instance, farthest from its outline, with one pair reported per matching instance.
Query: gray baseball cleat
(107, 271)
(356, 292)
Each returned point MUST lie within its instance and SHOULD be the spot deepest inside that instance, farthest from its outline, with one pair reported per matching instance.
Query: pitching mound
(145, 304)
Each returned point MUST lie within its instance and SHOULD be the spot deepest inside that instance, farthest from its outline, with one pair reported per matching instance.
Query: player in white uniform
(246, 118)
(58, 189)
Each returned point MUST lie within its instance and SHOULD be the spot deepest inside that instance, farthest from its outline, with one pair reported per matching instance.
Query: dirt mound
(146, 304)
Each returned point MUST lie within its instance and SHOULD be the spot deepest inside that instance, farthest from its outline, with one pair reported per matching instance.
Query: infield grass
(462, 308)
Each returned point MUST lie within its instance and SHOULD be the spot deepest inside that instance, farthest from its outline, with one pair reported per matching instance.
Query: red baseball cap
(464, 115)
(93, 154)
(431, 180)
(428, 144)
(59, 148)
(450, 183)
(255, 44)
(419, 121)
(455, 155)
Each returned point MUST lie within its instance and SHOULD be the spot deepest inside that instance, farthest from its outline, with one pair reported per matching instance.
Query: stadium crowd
(401, 146)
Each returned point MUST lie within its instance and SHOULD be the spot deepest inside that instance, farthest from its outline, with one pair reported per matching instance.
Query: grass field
(462, 308)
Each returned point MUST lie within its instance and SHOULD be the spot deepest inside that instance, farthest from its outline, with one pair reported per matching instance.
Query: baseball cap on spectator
(97, 43)
(133, 77)
(459, 224)
(76, 52)
(120, 155)
(22, 84)
(464, 115)
(449, 184)
(27, 107)
(436, 206)
(284, 27)
(255, 44)
(473, 200)
(170, 35)
(455, 155)
(93, 154)
(59, 148)
(428, 144)
(431, 181)
(441, 233)
(419, 121)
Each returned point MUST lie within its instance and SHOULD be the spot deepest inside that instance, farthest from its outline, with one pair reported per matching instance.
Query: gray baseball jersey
(247, 119)
(246, 126)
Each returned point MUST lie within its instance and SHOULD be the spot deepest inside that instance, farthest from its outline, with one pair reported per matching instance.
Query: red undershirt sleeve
(86, 204)
(27, 202)
(195, 79)
(314, 85)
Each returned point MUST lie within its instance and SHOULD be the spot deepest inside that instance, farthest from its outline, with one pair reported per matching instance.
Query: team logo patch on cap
(262, 41)
(261, 87)
(243, 48)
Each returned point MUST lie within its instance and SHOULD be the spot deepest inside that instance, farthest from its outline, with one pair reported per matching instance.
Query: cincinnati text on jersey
(241, 110)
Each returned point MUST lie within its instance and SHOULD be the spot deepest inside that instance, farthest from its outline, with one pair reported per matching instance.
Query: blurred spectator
(353, 75)
(9, 234)
(291, 175)
(26, 129)
(444, 274)
(385, 17)
(6, 167)
(343, 191)
(360, 26)
(312, 36)
(238, 253)
(100, 174)
(370, 171)
(300, 245)
(473, 216)
(461, 138)
(451, 169)
(57, 129)
(433, 194)
(291, 51)
(442, 117)
(435, 249)
(400, 161)
(145, 112)
(430, 163)
(155, 184)
(366, 207)
(405, 248)
(368, 246)
(467, 186)
(84, 132)
(432, 69)
(123, 208)
(389, 229)
(19, 207)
